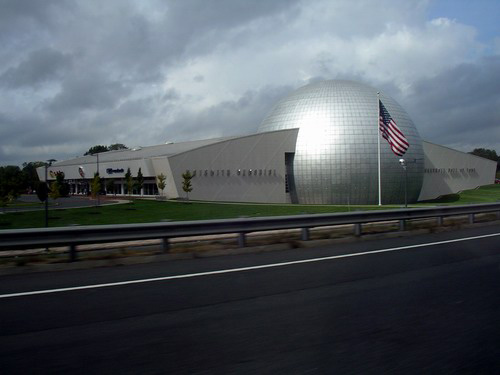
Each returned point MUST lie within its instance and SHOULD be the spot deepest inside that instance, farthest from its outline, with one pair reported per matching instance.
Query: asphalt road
(408, 308)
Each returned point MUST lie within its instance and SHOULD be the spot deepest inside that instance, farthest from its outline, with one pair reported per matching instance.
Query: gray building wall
(252, 168)
(161, 165)
(238, 169)
(245, 169)
(448, 171)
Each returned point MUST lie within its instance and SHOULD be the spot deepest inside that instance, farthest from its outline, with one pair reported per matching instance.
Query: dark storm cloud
(461, 105)
(31, 131)
(21, 128)
(121, 39)
(17, 13)
(92, 92)
(40, 66)
(241, 116)
(7, 158)
(135, 108)
(130, 72)
(226, 13)
(170, 95)
(37, 138)
(6, 126)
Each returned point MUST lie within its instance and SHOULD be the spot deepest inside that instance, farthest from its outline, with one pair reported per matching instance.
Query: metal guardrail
(79, 235)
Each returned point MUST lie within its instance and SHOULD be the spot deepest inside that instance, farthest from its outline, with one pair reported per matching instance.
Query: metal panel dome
(336, 153)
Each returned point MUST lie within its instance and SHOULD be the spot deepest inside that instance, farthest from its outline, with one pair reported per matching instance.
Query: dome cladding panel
(336, 152)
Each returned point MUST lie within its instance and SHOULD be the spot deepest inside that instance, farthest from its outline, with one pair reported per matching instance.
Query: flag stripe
(397, 133)
(398, 140)
(391, 132)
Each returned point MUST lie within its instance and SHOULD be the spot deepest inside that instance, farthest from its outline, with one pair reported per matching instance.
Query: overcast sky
(74, 74)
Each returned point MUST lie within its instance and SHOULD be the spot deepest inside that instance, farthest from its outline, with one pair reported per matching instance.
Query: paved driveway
(68, 202)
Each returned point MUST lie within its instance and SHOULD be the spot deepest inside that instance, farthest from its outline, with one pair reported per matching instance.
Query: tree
(101, 148)
(12, 183)
(54, 190)
(42, 191)
(96, 149)
(95, 185)
(110, 186)
(30, 175)
(61, 185)
(129, 181)
(186, 183)
(117, 146)
(485, 153)
(160, 182)
(139, 181)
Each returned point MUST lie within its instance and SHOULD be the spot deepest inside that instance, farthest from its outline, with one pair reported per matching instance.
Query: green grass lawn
(145, 211)
(484, 194)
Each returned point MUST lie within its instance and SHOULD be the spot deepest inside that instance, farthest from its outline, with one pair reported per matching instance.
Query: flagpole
(378, 149)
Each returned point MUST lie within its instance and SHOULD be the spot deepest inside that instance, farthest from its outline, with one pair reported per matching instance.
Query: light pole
(403, 164)
(99, 179)
(47, 165)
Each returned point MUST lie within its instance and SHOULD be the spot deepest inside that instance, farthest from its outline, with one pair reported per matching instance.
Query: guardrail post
(402, 224)
(358, 229)
(73, 255)
(241, 239)
(440, 221)
(165, 245)
(304, 234)
(471, 218)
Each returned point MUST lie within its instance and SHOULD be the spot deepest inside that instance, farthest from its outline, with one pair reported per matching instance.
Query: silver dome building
(335, 160)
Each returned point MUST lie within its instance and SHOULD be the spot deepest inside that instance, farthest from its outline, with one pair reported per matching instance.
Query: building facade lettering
(112, 170)
(450, 170)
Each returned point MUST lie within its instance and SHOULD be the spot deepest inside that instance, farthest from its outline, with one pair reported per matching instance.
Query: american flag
(390, 131)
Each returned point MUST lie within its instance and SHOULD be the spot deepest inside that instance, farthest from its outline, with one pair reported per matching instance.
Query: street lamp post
(403, 164)
(46, 200)
(47, 165)
(99, 188)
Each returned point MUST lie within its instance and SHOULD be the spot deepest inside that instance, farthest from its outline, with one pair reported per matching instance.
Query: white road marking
(241, 269)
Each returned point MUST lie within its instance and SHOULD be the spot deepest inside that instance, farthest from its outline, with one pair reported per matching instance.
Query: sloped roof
(142, 152)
